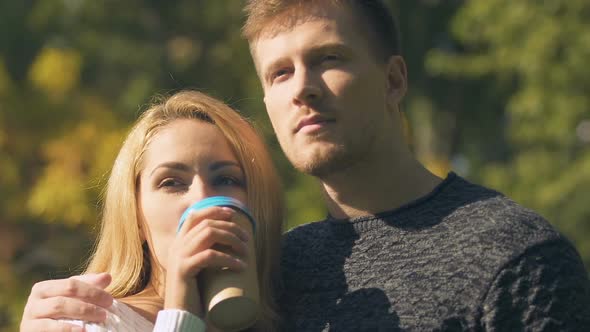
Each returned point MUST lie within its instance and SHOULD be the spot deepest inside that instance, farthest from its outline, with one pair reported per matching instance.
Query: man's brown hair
(374, 15)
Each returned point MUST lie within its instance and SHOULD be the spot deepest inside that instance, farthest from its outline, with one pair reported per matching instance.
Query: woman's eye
(228, 181)
(170, 183)
(331, 57)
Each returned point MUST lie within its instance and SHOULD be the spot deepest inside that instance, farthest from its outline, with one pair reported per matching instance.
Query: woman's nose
(200, 189)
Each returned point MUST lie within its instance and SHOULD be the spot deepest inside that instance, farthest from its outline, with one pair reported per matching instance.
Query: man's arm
(81, 297)
(545, 289)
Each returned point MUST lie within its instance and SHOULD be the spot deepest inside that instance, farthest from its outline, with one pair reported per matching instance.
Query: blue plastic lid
(217, 201)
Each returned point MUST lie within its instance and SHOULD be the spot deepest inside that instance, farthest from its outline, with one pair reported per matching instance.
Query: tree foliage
(534, 54)
(498, 92)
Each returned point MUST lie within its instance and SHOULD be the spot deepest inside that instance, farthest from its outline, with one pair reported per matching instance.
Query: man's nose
(308, 89)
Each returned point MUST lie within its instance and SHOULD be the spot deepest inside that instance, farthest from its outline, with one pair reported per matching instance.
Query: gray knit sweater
(462, 258)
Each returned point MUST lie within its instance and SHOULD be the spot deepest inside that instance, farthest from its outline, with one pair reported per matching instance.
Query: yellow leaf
(56, 71)
(440, 166)
(61, 196)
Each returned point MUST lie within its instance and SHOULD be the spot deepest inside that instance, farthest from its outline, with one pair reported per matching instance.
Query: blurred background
(499, 93)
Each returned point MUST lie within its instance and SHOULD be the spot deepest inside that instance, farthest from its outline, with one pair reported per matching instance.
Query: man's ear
(397, 80)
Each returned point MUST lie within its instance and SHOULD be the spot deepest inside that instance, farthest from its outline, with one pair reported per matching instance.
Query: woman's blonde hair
(119, 249)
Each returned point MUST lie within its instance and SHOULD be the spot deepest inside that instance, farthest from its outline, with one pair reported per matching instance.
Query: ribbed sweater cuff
(174, 320)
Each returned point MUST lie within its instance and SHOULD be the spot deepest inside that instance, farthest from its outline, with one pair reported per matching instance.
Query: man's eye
(277, 75)
(331, 59)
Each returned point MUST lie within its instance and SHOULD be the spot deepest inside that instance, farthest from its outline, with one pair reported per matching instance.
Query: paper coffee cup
(231, 298)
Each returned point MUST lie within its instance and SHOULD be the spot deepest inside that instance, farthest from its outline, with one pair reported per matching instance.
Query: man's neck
(374, 188)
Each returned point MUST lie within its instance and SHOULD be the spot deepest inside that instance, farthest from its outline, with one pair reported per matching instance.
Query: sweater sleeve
(123, 319)
(174, 320)
(544, 289)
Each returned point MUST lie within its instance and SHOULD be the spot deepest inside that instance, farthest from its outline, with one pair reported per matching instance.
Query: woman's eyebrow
(224, 163)
(172, 165)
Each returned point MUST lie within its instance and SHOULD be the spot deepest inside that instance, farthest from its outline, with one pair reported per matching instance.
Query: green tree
(73, 76)
(504, 84)
(532, 55)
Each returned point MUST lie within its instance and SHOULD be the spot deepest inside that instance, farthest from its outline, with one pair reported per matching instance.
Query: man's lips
(312, 122)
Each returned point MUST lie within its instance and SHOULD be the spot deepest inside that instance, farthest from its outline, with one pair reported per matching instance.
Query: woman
(181, 150)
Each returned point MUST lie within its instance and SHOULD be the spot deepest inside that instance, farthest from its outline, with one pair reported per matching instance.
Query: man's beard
(331, 158)
(323, 164)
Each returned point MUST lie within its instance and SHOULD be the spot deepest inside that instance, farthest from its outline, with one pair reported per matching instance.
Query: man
(401, 249)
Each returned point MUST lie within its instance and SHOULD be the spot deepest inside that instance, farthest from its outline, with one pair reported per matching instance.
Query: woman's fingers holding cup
(216, 233)
(195, 218)
(229, 226)
(213, 258)
(205, 241)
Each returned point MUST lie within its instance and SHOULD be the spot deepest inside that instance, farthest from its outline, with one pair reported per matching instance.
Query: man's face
(325, 92)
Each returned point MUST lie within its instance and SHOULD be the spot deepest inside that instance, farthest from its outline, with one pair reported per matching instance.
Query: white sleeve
(88, 327)
(121, 318)
(174, 320)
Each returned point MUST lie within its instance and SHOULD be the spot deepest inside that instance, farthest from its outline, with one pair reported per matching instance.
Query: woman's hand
(80, 297)
(197, 246)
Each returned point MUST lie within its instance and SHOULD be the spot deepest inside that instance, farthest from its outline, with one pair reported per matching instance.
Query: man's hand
(80, 297)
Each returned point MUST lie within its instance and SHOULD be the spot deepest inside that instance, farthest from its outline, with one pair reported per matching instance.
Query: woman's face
(186, 161)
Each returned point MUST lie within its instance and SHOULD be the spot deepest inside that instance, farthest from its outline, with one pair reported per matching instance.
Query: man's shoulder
(312, 231)
(498, 214)
(479, 208)
(493, 225)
